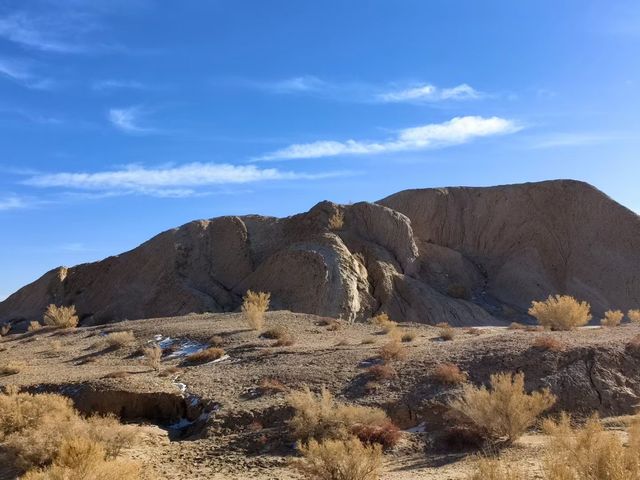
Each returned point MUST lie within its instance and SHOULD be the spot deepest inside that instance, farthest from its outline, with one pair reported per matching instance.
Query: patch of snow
(420, 428)
(181, 386)
(184, 422)
(187, 348)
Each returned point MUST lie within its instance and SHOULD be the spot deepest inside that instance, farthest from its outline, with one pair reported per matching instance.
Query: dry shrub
(393, 350)
(449, 373)
(495, 469)
(206, 355)
(386, 434)
(612, 318)
(473, 331)
(336, 221)
(561, 312)
(275, 333)
(322, 417)
(590, 452)
(285, 341)
(446, 332)
(547, 342)
(269, 386)
(61, 317)
(216, 341)
(383, 322)
(505, 411)
(368, 341)
(516, 326)
(347, 459)
(254, 305)
(634, 316)
(85, 459)
(34, 326)
(117, 340)
(458, 291)
(35, 431)
(408, 336)
(5, 329)
(152, 356)
(381, 372)
(10, 368)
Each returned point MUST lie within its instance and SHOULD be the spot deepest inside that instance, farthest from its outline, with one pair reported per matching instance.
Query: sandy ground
(319, 356)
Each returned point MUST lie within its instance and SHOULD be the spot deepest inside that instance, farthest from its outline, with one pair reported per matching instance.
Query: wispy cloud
(365, 92)
(430, 93)
(113, 84)
(170, 181)
(127, 119)
(575, 139)
(12, 203)
(21, 72)
(436, 135)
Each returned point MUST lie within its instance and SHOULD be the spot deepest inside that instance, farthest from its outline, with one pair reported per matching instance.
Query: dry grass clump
(473, 331)
(612, 318)
(152, 356)
(590, 452)
(381, 372)
(516, 326)
(254, 305)
(117, 340)
(61, 317)
(10, 368)
(449, 373)
(505, 411)
(322, 417)
(393, 350)
(206, 355)
(408, 336)
(275, 333)
(270, 386)
(348, 459)
(383, 322)
(45, 431)
(5, 329)
(634, 316)
(561, 312)
(495, 469)
(368, 341)
(34, 326)
(336, 221)
(446, 331)
(547, 342)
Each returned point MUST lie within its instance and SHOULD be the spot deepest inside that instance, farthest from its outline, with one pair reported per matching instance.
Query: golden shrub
(336, 221)
(34, 326)
(152, 356)
(547, 342)
(517, 326)
(61, 317)
(119, 339)
(393, 350)
(612, 318)
(321, 417)
(408, 336)
(495, 469)
(5, 329)
(254, 306)
(347, 459)
(383, 322)
(590, 452)
(505, 411)
(449, 373)
(447, 332)
(206, 355)
(561, 312)
(634, 316)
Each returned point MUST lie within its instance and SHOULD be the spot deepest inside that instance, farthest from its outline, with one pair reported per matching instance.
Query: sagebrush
(503, 412)
(61, 316)
(634, 316)
(119, 339)
(449, 373)
(254, 306)
(487, 468)
(612, 318)
(561, 312)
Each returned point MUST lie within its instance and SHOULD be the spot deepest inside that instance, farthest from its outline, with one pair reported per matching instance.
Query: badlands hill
(460, 255)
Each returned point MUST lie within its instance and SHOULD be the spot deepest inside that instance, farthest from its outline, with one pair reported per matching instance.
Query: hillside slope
(461, 255)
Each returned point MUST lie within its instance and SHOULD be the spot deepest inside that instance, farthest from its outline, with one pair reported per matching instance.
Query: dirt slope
(461, 255)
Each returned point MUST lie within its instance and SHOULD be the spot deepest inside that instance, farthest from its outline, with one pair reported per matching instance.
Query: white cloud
(117, 85)
(429, 93)
(126, 119)
(12, 203)
(42, 33)
(179, 181)
(436, 135)
(21, 72)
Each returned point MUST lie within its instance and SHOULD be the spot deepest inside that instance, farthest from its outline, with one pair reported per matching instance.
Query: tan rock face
(459, 255)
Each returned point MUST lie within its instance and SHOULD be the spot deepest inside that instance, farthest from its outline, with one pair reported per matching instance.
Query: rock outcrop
(467, 256)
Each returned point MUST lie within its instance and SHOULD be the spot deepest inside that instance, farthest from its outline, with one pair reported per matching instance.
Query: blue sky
(123, 118)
